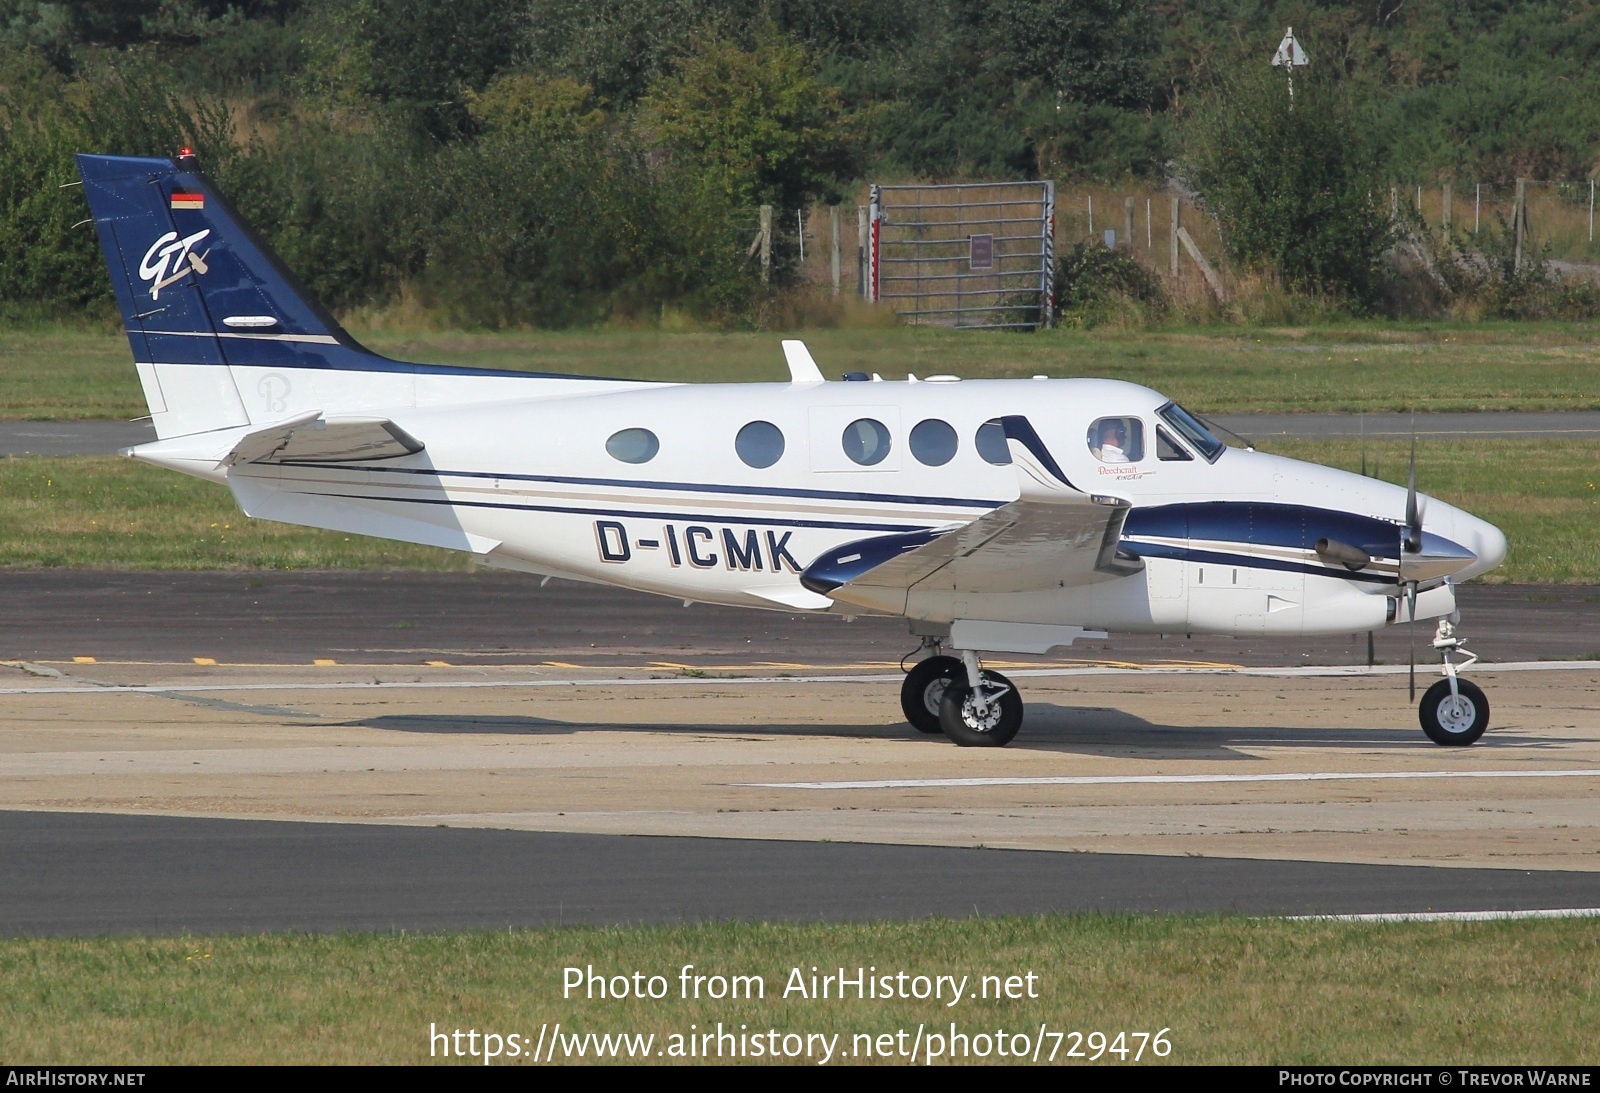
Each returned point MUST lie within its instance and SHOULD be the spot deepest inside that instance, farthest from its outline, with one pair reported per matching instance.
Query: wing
(1053, 536)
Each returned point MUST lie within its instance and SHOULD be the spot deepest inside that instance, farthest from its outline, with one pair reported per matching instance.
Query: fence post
(861, 252)
(1047, 232)
(1520, 214)
(1394, 203)
(766, 243)
(1091, 216)
(833, 218)
(1173, 247)
(1446, 203)
(1149, 229)
(1127, 221)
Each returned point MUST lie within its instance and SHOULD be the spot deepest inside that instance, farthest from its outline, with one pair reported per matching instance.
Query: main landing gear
(973, 707)
(1454, 713)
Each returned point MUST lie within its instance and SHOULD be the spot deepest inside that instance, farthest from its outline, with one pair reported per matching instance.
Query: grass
(1229, 990)
(52, 373)
(114, 513)
(106, 512)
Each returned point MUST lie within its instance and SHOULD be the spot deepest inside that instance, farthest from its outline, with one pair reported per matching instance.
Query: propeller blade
(1413, 540)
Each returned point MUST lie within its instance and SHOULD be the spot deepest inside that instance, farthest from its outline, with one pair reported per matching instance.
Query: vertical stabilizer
(201, 295)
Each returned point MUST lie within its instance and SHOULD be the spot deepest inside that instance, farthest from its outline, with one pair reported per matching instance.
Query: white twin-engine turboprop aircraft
(996, 516)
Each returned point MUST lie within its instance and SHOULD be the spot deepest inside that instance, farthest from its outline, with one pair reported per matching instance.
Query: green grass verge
(114, 513)
(57, 373)
(1229, 990)
(107, 512)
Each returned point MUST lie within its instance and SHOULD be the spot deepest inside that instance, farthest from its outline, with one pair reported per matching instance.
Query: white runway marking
(1169, 779)
(1310, 672)
(1454, 916)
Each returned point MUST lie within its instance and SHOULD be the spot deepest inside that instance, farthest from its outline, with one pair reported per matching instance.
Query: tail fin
(202, 294)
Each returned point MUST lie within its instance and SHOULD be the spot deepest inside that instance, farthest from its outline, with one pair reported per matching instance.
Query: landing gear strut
(1454, 713)
(973, 707)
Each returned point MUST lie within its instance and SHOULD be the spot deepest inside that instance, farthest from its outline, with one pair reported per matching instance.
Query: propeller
(1411, 543)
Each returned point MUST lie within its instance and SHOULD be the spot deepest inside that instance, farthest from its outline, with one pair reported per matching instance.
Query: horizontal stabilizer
(311, 438)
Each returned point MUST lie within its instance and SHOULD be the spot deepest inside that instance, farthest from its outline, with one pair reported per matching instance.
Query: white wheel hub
(1457, 713)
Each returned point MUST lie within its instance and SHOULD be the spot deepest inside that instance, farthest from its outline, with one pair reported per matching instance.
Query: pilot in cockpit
(1112, 444)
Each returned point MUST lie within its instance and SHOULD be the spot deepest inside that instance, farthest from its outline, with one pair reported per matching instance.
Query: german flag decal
(188, 201)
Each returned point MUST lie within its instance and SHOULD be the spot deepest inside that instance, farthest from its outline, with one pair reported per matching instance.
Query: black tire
(958, 716)
(1454, 721)
(923, 688)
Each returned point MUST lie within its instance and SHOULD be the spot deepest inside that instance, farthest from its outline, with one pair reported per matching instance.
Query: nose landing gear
(1454, 713)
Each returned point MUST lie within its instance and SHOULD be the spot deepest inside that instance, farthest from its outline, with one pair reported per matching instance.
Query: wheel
(958, 713)
(1454, 721)
(923, 688)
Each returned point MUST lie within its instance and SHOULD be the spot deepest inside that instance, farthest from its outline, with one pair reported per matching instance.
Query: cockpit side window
(1117, 439)
(1186, 426)
(1168, 449)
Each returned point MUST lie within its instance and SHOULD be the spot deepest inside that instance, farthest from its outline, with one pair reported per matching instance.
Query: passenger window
(759, 444)
(633, 445)
(1169, 449)
(866, 441)
(991, 444)
(1117, 439)
(933, 442)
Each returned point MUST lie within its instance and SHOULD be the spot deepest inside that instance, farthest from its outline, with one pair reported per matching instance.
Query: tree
(1295, 186)
(758, 121)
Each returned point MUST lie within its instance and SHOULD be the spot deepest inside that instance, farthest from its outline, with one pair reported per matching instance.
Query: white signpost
(1288, 57)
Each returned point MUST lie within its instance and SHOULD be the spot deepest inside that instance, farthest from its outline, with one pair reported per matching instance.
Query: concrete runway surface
(1306, 790)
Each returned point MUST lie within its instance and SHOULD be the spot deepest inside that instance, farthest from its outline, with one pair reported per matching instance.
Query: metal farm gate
(978, 255)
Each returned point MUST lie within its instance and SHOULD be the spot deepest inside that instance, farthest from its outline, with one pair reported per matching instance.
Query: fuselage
(725, 493)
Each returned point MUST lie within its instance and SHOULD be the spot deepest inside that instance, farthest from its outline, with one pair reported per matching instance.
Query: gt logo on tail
(169, 253)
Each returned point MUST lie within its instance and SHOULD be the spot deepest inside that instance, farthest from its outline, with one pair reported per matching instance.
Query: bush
(1481, 276)
(1292, 185)
(1094, 283)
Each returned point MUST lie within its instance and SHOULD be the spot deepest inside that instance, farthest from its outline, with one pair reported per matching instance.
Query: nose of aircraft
(1479, 536)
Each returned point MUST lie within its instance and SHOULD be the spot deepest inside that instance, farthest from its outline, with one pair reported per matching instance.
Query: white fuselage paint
(517, 471)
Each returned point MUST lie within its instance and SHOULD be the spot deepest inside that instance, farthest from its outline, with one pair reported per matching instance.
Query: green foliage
(1485, 275)
(350, 114)
(347, 209)
(1093, 283)
(539, 108)
(758, 122)
(1291, 183)
(617, 47)
(53, 261)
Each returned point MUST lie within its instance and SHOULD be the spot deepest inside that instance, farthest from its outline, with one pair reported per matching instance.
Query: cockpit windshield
(1192, 431)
